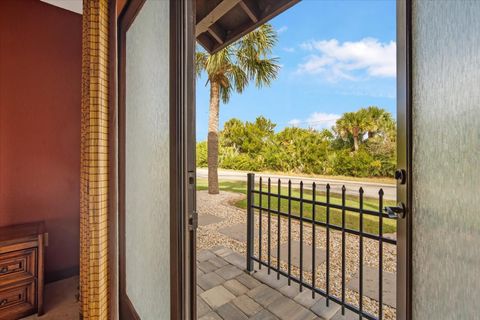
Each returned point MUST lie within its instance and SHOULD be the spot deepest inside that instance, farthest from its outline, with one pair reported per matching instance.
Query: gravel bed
(221, 205)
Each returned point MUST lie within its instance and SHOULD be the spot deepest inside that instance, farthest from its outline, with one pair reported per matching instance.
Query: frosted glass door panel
(147, 167)
(446, 159)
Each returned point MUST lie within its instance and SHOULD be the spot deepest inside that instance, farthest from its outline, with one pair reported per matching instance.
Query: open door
(156, 177)
(404, 162)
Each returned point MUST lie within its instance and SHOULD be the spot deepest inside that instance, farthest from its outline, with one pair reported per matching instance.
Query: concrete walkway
(225, 291)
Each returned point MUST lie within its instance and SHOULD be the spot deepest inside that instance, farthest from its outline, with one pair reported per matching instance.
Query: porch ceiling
(221, 22)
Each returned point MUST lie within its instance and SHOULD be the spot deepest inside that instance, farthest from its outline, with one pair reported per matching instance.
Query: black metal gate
(268, 204)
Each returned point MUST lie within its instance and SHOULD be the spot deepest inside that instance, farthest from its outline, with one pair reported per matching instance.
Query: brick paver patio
(226, 291)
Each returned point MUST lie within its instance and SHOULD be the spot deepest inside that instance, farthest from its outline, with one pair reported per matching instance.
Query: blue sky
(336, 56)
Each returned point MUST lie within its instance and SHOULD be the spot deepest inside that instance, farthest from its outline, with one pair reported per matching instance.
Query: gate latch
(401, 176)
(193, 223)
(396, 212)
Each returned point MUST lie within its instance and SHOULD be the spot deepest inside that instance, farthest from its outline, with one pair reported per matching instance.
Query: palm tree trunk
(355, 134)
(355, 143)
(213, 138)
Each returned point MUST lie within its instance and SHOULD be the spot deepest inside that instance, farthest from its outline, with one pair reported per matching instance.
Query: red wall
(40, 94)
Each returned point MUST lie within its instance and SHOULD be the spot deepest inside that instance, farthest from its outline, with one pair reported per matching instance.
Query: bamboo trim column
(94, 248)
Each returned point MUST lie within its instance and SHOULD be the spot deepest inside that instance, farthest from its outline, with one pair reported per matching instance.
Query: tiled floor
(226, 291)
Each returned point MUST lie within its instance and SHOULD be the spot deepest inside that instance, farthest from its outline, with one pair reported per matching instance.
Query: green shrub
(202, 154)
(254, 146)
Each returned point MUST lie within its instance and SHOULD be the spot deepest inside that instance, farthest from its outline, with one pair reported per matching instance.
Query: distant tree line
(360, 144)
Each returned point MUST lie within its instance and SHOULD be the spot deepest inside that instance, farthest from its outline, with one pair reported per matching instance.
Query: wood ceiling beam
(217, 33)
(220, 10)
(249, 11)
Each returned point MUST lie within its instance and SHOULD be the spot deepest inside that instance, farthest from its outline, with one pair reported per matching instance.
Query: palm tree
(231, 69)
(352, 124)
(379, 120)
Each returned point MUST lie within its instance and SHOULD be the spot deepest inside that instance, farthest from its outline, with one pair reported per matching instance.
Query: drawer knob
(3, 270)
(3, 302)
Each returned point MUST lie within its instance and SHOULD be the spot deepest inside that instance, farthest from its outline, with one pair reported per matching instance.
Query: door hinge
(191, 178)
(193, 217)
(193, 221)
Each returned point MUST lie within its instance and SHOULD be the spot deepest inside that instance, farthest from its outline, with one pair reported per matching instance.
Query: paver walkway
(207, 219)
(320, 255)
(370, 285)
(237, 232)
(226, 291)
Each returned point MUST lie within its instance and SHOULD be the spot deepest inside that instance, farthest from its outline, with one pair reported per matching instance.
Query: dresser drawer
(17, 266)
(17, 300)
(21, 270)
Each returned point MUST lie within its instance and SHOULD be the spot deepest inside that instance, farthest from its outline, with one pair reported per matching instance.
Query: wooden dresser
(21, 270)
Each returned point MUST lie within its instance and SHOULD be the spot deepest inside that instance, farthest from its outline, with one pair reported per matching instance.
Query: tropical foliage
(361, 144)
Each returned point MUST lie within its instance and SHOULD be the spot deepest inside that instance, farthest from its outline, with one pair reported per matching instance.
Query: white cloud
(295, 122)
(288, 49)
(317, 120)
(282, 29)
(320, 120)
(349, 60)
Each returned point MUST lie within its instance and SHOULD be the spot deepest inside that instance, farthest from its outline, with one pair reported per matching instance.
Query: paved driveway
(371, 189)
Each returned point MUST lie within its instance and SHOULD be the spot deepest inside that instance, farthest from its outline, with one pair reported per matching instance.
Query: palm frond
(246, 60)
(238, 77)
(200, 62)
(266, 71)
(219, 62)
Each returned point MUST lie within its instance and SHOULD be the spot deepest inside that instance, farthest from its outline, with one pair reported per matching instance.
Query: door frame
(182, 158)
(404, 158)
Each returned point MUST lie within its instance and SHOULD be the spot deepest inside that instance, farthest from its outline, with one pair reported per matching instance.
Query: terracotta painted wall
(120, 5)
(40, 94)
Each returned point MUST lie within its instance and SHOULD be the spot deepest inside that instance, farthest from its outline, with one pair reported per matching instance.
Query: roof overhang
(221, 22)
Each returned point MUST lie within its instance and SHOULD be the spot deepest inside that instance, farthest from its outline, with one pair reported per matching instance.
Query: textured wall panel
(446, 159)
(147, 195)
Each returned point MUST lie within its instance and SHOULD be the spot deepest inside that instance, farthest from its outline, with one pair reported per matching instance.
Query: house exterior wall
(40, 88)
(446, 159)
